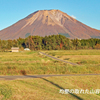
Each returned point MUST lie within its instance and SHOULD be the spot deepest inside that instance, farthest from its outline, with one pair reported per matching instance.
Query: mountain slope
(49, 22)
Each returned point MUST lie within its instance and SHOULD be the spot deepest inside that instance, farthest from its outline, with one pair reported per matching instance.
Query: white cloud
(73, 16)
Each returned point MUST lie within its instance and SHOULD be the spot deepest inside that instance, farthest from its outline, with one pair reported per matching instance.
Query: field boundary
(40, 76)
(58, 59)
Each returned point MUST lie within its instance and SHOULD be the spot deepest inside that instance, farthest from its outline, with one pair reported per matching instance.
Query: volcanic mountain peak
(49, 17)
(49, 22)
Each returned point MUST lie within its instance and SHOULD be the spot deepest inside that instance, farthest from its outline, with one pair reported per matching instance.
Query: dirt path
(40, 76)
(57, 59)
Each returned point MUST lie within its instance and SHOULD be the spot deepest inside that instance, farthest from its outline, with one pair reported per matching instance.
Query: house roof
(26, 49)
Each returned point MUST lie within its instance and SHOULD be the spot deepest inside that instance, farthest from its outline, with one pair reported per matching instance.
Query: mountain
(49, 22)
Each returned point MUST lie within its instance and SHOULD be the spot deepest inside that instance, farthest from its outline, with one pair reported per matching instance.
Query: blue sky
(85, 11)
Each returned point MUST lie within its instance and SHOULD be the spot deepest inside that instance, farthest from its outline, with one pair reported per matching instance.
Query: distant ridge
(49, 22)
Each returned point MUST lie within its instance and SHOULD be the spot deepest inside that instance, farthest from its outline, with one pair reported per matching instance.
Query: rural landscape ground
(48, 88)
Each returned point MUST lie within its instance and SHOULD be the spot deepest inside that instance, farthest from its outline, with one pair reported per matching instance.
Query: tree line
(53, 42)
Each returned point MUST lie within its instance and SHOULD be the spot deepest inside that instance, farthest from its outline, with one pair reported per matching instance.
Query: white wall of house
(15, 49)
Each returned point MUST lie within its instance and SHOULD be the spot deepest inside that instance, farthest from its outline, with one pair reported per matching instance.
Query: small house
(15, 49)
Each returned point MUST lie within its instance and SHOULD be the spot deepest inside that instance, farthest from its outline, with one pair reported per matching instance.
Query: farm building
(27, 49)
(15, 49)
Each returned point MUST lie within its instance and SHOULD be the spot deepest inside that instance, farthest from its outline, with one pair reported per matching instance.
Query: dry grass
(23, 63)
(34, 63)
(88, 59)
(74, 52)
(48, 88)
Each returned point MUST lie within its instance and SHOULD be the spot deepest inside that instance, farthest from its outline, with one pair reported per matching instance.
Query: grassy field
(88, 60)
(35, 63)
(49, 88)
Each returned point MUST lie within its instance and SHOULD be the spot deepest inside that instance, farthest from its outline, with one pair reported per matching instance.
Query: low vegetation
(32, 62)
(49, 88)
(5, 91)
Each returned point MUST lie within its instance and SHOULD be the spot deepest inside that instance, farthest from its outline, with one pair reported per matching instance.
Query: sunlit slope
(49, 22)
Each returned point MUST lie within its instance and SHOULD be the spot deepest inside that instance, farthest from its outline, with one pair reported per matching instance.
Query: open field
(89, 60)
(35, 63)
(49, 88)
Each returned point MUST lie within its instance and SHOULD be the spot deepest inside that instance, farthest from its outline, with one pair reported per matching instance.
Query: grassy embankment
(34, 63)
(48, 88)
